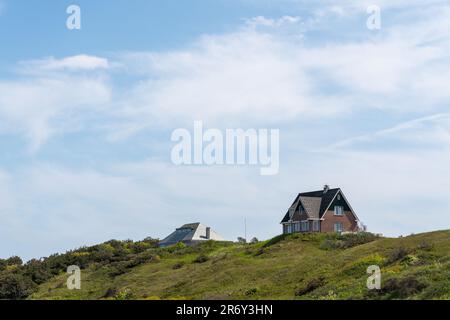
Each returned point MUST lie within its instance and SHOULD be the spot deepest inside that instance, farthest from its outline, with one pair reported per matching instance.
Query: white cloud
(41, 107)
(222, 78)
(72, 63)
(350, 4)
(425, 132)
(261, 77)
(252, 77)
(255, 76)
(269, 22)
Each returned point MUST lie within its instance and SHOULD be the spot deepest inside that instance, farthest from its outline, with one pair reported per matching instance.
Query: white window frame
(338, 211)
(336, 229)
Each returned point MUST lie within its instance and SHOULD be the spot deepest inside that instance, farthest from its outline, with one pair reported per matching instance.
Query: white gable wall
(200, 234)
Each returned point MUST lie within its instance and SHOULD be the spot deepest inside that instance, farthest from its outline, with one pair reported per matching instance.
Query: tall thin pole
(245, 228)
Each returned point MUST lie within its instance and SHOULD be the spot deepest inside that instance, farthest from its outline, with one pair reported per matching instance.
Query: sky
(86, 115)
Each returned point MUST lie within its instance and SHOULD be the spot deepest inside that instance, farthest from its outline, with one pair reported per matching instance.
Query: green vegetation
(299, 266)
(19, 280)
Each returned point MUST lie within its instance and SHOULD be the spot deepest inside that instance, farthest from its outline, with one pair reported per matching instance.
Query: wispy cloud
(283, 72)
(40, 107)
(248, 76)
(223, 77)
(80, 62)
(426, 131)
(261, 21)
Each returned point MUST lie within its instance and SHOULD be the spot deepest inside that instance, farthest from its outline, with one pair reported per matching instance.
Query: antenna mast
(245, 229)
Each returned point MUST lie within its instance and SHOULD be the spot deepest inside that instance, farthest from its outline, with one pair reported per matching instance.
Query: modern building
(190, 234)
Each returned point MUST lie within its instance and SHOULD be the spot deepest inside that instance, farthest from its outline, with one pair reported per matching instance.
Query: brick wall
(348, 221)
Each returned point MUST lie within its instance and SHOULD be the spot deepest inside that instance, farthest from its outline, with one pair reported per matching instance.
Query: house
(326, 210)
(190, 234)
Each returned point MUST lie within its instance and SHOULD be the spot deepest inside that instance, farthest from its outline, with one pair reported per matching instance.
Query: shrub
(3, 265)
(178, 265)
(201, 259)
(402, 288)
(251, 292)
(110, 293)
(397, 255)
(124, 295)
(425, 246)
(311, 286)
(241, 240)
(359, 267)
(275, 240)
(259, 252)
(18, 280)
(140, 259)
(176, 247)
(118, 269)
(37, 271)
(154, 243)
(331, 295)
(328, 244)
(345, 241)
(15, 286)
(411, 260)
(14, 261)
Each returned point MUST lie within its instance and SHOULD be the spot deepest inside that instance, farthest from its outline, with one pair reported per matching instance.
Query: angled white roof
(191, 232)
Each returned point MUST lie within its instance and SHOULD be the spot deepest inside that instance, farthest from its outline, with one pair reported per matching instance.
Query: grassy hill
(309, 266)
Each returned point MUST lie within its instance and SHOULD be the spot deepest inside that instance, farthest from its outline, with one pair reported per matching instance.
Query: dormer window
(338, 210)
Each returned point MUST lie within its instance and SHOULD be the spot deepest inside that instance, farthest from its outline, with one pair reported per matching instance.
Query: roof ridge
(318, 191)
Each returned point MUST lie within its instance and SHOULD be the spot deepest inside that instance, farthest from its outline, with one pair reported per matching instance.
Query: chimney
(208, 233)
(326, 188)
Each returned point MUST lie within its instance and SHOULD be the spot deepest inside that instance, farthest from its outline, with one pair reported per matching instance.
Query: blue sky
(86, 115)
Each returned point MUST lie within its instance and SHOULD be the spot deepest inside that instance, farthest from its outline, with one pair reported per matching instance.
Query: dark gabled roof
(293, 206)
(312, 206)
(315, 203)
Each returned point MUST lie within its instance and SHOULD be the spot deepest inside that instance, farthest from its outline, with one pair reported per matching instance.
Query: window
(289, 228)
(338, 210)
(305, 225)
(339, 197)
(297, 227)
(338, 227)
(315, 225)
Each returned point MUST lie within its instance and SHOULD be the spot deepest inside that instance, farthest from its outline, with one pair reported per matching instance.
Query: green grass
(306, 266)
